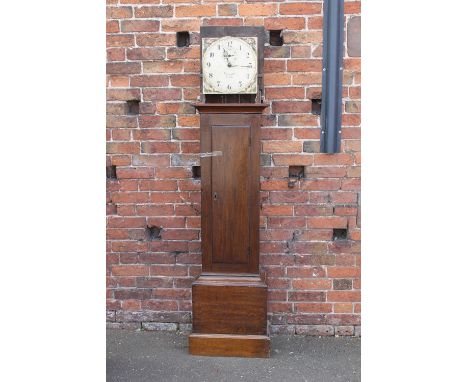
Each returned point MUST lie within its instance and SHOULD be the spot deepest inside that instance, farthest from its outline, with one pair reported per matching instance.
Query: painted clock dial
(229, 65)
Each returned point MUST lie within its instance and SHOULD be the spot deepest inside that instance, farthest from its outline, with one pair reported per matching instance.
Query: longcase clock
(229, 299)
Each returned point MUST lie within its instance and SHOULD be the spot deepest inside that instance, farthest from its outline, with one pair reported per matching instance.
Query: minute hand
(243, 66)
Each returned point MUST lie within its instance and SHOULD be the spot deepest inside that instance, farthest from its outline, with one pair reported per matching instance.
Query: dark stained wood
(206, 194)
(230, 108)
(230, 188)
(225, 345)
(229, 299)
(229, 305)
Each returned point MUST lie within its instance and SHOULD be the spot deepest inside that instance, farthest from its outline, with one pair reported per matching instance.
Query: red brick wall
(313, 280)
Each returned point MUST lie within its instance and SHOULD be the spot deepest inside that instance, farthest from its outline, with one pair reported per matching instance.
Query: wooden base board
(229, 345)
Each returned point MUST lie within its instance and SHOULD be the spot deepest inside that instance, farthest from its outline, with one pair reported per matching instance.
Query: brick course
(313, 277)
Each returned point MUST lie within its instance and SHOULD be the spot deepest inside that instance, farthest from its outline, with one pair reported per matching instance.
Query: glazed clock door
(230, 187)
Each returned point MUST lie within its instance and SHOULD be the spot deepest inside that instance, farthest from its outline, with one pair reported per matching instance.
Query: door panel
(230, 194)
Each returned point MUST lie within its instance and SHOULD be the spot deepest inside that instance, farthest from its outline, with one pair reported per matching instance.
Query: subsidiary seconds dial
(230, 65)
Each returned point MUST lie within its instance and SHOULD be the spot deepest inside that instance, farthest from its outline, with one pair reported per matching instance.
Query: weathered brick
(320, 184)
(143, 54)
(123, 68)
(123, 148)
(112, 26)
(311, 147)
(195, 10)
(154, 11)
(160, 147)
(140, 25)
(327, 222)
(275, 133)
(347, 295)
(353, 106)
(302, 37)
(120, 40)
(152, 121)
(185, 80)
(307, 79)
(342, 284)
(304, 65)
(290, 106)
(121, 121)
(227, 9)
(130, 270)
(123, 94)
(286, 160)
(306, 296)
(352, 7)
(222, 21)
(298, 120)
(115, 54)
(322, 284)
(344, 272)
(284, 93)
(173, 108)
(121, 12)
(162, 94)
(190, 52)
(258, 9)
(313, 280)
(301, 51)
(151, 134)
(277, 79)
(302, 8)
(162, 67)
(156, 39)
(277, 51)
(282, 147)
(274, 66)
(149, 81)
(285, 23)
(175, 25)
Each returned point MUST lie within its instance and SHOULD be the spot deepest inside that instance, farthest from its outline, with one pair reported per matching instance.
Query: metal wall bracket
(332, 76)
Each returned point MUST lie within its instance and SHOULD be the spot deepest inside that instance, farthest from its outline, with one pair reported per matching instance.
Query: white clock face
(229, 65)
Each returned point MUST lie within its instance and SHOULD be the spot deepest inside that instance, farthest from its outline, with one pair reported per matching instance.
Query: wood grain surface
(229, 345)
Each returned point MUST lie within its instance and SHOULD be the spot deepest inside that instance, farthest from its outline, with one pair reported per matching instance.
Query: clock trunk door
(230, 193)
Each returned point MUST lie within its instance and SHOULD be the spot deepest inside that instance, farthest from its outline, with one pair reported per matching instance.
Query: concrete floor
(163, 356)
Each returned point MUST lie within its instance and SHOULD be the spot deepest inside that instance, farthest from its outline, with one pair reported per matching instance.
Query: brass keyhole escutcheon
(215, 196)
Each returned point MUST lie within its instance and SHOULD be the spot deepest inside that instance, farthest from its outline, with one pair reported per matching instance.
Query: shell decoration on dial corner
(229, 65)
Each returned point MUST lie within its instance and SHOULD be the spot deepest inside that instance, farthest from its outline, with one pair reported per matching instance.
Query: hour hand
(226, 54)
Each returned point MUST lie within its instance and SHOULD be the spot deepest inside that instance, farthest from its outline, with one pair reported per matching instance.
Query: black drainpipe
(332, 76)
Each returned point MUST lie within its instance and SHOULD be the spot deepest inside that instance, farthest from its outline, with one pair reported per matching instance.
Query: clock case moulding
(229, 298)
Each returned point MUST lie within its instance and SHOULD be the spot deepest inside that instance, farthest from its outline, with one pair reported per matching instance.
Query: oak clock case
(229, 298)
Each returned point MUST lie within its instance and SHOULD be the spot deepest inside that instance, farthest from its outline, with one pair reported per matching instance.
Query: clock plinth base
(229, 345)
(229, 316)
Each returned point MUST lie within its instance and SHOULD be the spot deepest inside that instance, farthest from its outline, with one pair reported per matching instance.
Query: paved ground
(157, 356)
